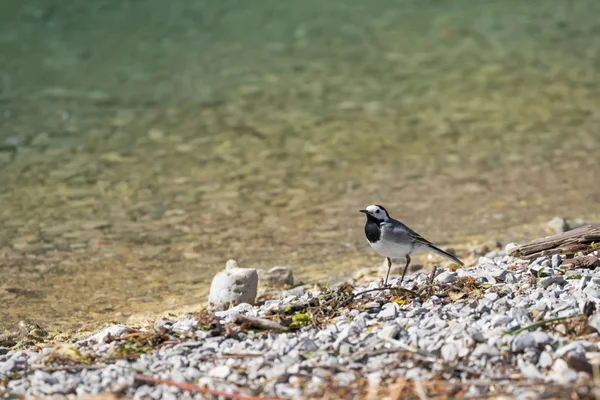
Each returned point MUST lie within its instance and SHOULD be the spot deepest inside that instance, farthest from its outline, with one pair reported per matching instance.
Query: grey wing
(399, 231)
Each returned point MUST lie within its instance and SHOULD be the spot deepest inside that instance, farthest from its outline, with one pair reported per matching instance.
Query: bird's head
(376, 212)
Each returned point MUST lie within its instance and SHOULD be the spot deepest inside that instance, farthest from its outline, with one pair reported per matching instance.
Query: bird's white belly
(391, 249)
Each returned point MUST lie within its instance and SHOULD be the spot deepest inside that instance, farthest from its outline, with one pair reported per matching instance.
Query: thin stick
(542, 323)
(200, 389)
(385, 288)
(259, 323)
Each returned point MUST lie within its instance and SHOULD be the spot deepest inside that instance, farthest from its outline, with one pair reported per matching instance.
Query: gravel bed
(504, 326)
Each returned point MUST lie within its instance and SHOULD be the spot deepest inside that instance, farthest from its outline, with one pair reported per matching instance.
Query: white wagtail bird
(392, 239)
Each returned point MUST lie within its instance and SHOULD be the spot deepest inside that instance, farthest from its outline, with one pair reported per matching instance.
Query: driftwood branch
(570, 242)
(259, 323)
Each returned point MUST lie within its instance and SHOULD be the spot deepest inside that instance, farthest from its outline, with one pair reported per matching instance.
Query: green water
(144, 143)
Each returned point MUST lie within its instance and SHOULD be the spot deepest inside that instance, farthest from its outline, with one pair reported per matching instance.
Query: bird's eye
(377, 212)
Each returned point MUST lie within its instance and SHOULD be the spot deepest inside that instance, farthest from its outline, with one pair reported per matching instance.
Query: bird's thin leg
(405, 268)
(388, 273)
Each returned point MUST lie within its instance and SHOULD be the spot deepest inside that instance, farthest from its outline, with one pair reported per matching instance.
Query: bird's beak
(364, 211)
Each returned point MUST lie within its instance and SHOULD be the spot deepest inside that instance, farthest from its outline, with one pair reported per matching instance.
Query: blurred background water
(143, 143)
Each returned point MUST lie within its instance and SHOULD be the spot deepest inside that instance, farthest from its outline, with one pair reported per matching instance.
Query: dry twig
(259, 323)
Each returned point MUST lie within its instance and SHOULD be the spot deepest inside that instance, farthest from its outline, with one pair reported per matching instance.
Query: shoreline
(502, 326)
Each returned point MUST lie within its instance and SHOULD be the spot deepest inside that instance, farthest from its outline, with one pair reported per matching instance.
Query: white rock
(446, 277)
(221, 372)
(501, 320)
(556, 260)
(449, 352)
(561, 373)
(522, 341)
(233, 286)
(510, 247)
(388, 312)
(390, 331)
(592, 290)
(484, 349)
(529, 370)
(545, 360)
(545, 282)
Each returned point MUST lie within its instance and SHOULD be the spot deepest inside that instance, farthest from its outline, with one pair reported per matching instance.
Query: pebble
(220, 372)
(388, 312)
(233, 286)
(446, 277)
(557, 279)
(389, 331)
(556, 260)
(449, 352)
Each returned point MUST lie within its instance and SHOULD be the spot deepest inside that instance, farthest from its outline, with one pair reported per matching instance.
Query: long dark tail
(442, 253)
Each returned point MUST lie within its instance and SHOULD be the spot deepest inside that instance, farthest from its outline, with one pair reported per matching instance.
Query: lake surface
(144, 143)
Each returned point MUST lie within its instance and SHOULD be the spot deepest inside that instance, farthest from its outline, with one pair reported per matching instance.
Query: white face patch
(377, 212)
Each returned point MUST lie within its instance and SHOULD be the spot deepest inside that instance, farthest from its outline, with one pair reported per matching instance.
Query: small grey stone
(45, 377)
(501, 320)
(556, 260)
(529, 370)
(177, 376)
(522, 341)
(309, 345)
(344, 378)
(8, 366)
(449, 352)
(545, 360)
(592, 290)
(345, 349)
(578, 346)
(184, 325)
(192, 373)
(220, 372)
(525, 340)
(541, 338)
(510, 278)
(545, 282)
(499, 274)
(491, 296)
(389, 331)
(446, 277)
(288, 391)
(388, 312)
(484, 349)
(583, 282)
(561, 373)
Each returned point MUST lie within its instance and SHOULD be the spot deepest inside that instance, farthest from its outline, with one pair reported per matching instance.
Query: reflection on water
(142, 144)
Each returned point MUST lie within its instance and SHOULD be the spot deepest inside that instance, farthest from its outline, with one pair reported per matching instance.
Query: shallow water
(142, 144)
